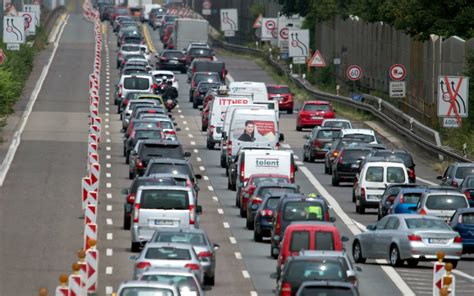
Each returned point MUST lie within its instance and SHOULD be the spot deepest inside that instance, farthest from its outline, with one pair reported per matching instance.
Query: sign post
(317, 60)
(453, 97)
(13, 32)
(229, 21)
(354, 73)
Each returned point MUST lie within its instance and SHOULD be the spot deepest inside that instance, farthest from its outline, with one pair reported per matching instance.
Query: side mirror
(216, 247)
(187, 154)
(199, 210)
(124, 191)
(133, 152)
(344, 239)
(371, 227)
(281, 138)
(351, 274)
(198, 176)
(178, 129)
(175, 123)
(225, 71)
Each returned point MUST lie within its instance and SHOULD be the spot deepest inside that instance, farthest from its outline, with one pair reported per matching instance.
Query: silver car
(168, 255)
(441, 203)
(197, 238)
(407, 237)
(183, 279)
(128, 111)
(131, 288)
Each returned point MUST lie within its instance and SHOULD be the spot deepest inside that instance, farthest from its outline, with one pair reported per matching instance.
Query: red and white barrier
(83, 273)
(95, 176)
(91, 214)
(90, 232)
(62, 291)
(86, 189)
(75, 285)
(92, 260)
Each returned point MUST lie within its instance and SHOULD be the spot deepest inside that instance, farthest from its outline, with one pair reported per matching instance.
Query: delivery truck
(189, 30)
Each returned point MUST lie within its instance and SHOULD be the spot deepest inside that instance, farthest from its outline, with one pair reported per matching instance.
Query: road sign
(397, 72)
(299, 60)
(229, 33)
(35, 8)
(450, 122)
(298, 45)
(207, 4)
(229, 20)
(354, 72)
(317, 60)
(269, 28)
(29, 18)
(258, 22)
(397, 89)
(453, 96)
(3, 57)
(285, 23)
(13, 30)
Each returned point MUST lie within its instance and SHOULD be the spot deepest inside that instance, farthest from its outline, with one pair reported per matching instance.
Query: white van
(219, 105)
(272, 105)
(225, 127)
(254, 128)
(258, 89)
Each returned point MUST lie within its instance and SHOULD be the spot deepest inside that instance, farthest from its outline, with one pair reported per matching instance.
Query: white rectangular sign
(298, 43)
(206, 11)
(285, 23)
(13, 29)
(229, 33)
(299, 60)
(229, 20)
(29, 18)
(36, 9)
(450, 122)
(453, 96)
(397, 89)
(269, 29)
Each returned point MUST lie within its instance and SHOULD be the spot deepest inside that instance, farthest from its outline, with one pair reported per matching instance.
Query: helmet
(164, 78)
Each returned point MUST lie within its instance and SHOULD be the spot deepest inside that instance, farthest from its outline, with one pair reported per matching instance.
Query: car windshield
(462, 172)
(152, 181)
(136, 83)
(328, 134)
(195, 239)
(133, 39)
(161, 150)
(200, 51)
(145, 124)
(395, 175)
(326, 291)
(170, 168)
(130, 48)
(165, 124)
(468, 182)
(121, 10)
(302, 210)
(354, 154)
(410, 198)
(315, 270)
(423, 223)
(339, 124)
(183, 282)
(137, 104)
(168, 253)
(145, 97)
(405, 157)
(148, 134)
(258, 180)
(272, 203)
(467, 218)
(315, 107)
(146, 291)
(211, 77)
(360, 137)
(173, 54)
(278, 90)
(134, 56)
(374, 174)
(276, 190)
(446, 202)
(161, 199)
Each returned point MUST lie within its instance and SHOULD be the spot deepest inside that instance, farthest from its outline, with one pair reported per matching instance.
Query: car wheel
(273, 252)
(126, 221)
(229, 186)
(357, 252)
(412, 262)
(203, 128)
(209, 280)
(223, 162)
(394, 256)
(135, 247)
(335, 180)
(310, 158)
(190, 98)
(124, 151)
(127, 160)
(379, 215)
(256, 235)
(304, 156)
(183, 71)
(289, 111)
(359, 207)
(237, 202)
(131, 175)
(243, 213)
(326, 169)
(353, 196)
(249, 223)
(299, 128)
(234, 188)
(227, 173)
(210, 145)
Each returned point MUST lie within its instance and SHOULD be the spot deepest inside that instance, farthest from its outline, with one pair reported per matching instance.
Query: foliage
(470, 73)
(256, 9)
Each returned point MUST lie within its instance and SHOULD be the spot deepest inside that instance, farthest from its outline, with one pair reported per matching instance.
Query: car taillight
(285, 289)
(335, 154)
(183, 60)
(423, 212)
(266, 213)
(251, 190)
(458, 240)
(414, 238)
(139, 164)
(170, 132)
(211, 128)
(194, 70)
(317, 143)
(277, 146)
(362, 193)
(256, 200)
(205, 254)
(131, 198)
(402, 200)
(292, 173)
(242, 171)
(192, 266)
(277, 225)
(229, 148)
(467, 193)
(163, 59)
(192, 218)
(136, 213)
(142, 265)
(327, 217)
(155, 86)
(193, 84)
(411, 173)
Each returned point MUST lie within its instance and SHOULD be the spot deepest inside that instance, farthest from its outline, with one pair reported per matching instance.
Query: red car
(284, 96)
(313, 113)
(167, 36)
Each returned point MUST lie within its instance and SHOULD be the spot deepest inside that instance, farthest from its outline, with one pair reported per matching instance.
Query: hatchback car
(463, 222)
(410, 238)
(406, 200)
(386, 204)
(202, 76)
(171, 60)
(316, 143)
(182, 279)
(441, 203)
(456, 172)
(199, 53)
(467, 187)
(201, 90)
(198, 238)
(283, 95)
(346, 165)
(146, 287)
(337, 123)
(313, 113)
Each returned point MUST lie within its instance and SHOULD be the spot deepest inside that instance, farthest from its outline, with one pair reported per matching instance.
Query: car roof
(463, 164)
(180, 230)
(364, 131)
(153, 284)
(445, 189)
(327, 128)
(270, 175)
(165, 175)
(277, 85)
(328, 284)
(162, 142)
(276, 184)
(322, 253)
(413, 190)
(299, 196)
(168, 270)
(167, 187)
(168, 244)
(465, 210)
(311, 224)
(404, 216)
(169, 160)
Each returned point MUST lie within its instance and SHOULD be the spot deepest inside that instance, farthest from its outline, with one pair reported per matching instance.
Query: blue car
(263, 222)
(463, 222)
(406, 201)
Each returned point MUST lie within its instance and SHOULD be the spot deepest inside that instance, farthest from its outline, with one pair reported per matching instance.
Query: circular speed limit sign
(270, 25)
(397, 72)
(354, 72)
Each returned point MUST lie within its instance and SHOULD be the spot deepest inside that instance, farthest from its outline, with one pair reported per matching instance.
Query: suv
(456, 172)
(201, 90)
(296, 207)
(316, 143)
(139, 83)
(335, 148)
(346, 164)
(441, 203)
(162, 206)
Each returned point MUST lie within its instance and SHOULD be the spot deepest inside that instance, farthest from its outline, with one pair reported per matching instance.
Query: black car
(199, 53)
(404, 156)
(317, 143)
(201, 90)
(140, 134)
(202, 76)
(389, 196)
(106, 12)
(334, 149)
(346, 164)
(171, 60)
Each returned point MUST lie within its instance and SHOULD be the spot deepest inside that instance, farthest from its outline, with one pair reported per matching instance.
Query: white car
(367, 135)
(158, 76)
(337, 122)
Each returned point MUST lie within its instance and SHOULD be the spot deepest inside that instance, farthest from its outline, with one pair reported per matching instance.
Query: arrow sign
(317, 60)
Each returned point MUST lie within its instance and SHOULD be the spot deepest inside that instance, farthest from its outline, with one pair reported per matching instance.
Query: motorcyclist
(169, 91)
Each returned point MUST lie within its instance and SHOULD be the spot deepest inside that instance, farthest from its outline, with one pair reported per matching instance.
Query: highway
(40, 198)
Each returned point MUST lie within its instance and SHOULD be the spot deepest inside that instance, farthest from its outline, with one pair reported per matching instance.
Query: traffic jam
(185, 122)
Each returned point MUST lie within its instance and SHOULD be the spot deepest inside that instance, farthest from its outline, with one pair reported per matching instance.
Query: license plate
(173, 62)
(316, 117)
(437, 241)
(354, 165)
(164, 222)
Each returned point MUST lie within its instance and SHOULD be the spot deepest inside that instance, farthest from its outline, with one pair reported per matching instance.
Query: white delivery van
(220, 102)
(225, 127)
(148, 6)
(255, 128)
(258, 89)
(272, 105)
(189, 30)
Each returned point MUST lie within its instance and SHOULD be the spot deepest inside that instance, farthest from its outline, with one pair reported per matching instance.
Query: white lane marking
(195, 151)
(190, 135)
(220, 211)
(107, 103)
(205, 178)
(253, 293)
(108, 156)
(286, 146)
(245, 274)
(201, 168)
(109, 208)
(110, 236)
(390, 271)
(179, 111)
(226, 225)
(238, 256)
(193, 143)
(108, 185)
(232, 240)
(299, 163)
(108, 148)
(108, 140)
(108, 175)
(426, 181)
(109, 290)
(181, 116)
(107, 109)
(109, 252)
(215, 198)
(109, 195)
(107, 126)
(109, 270)
(109, 221)
(184, 122)
(463, 274)
(198, 159)
(210, 188)
(107, 114)
(186, 128)
(7, 161)
(108, 165)
(107, 133)
(296, 157)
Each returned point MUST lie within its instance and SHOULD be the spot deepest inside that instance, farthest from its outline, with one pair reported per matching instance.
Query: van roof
(249, 111)
(312, 224)
(267, 152)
